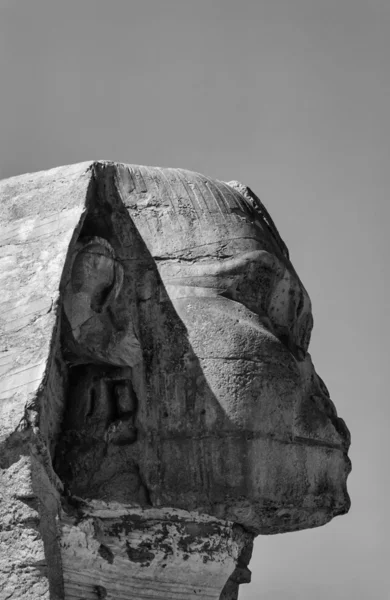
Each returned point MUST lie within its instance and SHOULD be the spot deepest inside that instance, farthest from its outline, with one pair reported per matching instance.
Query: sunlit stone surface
(158, 404)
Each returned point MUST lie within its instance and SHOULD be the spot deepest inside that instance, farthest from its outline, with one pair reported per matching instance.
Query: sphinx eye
(252, 287)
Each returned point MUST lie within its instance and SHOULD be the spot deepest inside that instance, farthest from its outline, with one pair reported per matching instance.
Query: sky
(290, 97)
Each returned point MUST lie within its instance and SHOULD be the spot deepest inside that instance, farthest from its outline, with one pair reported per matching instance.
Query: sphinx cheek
(316, 417)
(254, 397)
(250, 373)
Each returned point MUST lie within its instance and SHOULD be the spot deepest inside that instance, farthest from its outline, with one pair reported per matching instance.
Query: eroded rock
(158, 404)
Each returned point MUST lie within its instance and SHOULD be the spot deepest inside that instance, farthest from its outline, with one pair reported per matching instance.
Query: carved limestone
(158, 404)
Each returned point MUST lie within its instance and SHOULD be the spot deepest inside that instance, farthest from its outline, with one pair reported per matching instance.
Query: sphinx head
(187, 329)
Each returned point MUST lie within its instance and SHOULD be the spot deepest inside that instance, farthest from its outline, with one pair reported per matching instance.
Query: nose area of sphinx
(316, 418)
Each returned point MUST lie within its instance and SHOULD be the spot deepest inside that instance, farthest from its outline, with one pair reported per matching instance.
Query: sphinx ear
(95, 280)
(102, 268)
(115, 288)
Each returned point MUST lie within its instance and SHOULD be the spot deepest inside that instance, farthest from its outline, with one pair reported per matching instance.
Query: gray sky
(290, 97)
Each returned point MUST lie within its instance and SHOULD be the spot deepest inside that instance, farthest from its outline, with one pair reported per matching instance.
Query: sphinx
(159, 406)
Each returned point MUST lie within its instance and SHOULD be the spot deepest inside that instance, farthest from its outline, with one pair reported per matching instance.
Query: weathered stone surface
(158, 404)
(169, 553)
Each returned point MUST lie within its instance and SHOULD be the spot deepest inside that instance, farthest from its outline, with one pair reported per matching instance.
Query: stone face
(159, 407)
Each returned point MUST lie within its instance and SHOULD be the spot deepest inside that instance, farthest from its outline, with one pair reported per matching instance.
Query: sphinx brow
(222, 243)
(237, 262)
